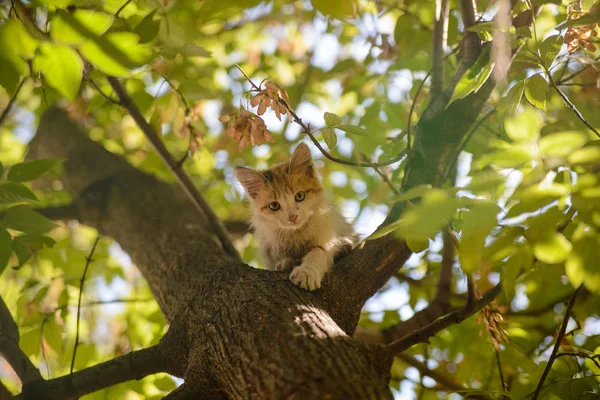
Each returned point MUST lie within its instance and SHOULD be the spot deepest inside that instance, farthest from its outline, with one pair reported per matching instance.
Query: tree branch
(9, 347)
(88, 260)
(195, 196)
(559, 339)
(132, 366)
(13, 98)
(439, 306)
(423, 334)
(440, 378)
(440, 40)
(471, 45)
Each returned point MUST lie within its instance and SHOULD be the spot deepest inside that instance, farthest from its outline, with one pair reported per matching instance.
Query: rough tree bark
(236, 331)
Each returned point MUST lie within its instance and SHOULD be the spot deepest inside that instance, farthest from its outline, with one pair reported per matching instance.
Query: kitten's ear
(301, 160)
(253, 181)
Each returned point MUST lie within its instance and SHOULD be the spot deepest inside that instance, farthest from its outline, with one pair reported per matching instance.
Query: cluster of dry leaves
(580, 36)
(248, 128)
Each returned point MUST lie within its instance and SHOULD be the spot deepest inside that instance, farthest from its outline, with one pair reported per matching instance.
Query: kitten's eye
(300, 196)
(274, 206)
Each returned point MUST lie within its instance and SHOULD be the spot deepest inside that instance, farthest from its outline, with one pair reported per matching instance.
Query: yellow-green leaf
(536, 89)
(549, 246)
(6, 247)
(330, 137)
(476, 226)
(76, 27)
(412, 193)
(15, 192)
(561, 144)
(524, 126)
(62, 68)
(332, 119)
(353, 130)
(474, 78)
(115, 53)
(24, 219)
(30, 170)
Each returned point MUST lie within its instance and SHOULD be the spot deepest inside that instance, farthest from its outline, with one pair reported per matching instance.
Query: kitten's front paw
(307, 278)
(286, 264)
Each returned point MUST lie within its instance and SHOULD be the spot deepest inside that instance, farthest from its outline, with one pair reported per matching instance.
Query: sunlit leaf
(332, 119)
(15, 192)
(24, 219)
(77, 26)
(412, 193)
(536, 89)
(549, 246)
(519, 262)
(115, 53)
(476, 225)
(53, 334)
(474, 78)
(550, 48)
(31, 170)
(148, 28)
(62, 68)
(524, 126)
(582, 265)
(561, 144)
(353, 130)
(509, 104)
(330, 137)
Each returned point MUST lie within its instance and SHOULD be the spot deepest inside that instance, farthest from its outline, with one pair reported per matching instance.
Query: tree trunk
(236, 331)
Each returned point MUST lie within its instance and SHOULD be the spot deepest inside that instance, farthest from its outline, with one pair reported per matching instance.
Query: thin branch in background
(439, 306)
(570, 104)
(121, 8)
(499, 363)
(594, 358)
(423, 334)
(559, 339)
(184, 180)
(43, 347)
(306, 129)
(440, 41)
(446, 381)
(88, 261)
(574, 74)
(95, 85)
(11, 101)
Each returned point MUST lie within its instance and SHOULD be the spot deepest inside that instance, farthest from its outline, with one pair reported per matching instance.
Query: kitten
(296, 228)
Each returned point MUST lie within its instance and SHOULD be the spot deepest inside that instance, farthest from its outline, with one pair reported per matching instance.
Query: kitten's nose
(292, 218)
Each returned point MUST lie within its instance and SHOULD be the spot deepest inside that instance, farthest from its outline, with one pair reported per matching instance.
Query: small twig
(593, 358)
(423, 334)
(184, 180)
(306, 129)
(570, 104)
(502, 381)
(559, 339)
(95, 85)
(88, 260)
(11, 101)
(122, 7)
(574, 74)
(43, 347)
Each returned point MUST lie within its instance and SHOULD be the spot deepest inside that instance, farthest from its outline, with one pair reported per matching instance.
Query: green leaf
(330, 137)
(412, 193)
(116, 53)
(572, 389)
(15, 193)
(336, 8)
(332, 119)
(62, 68)
(476, 226)
(36, 241)
(535, 197)
(77, 26)
(417, 245)
(1, 169)
(550, 48)
(511, 157)
(591, 18)
(536, 89)
(148, 28)
(17, 45)
(549, 246)
(561, 144)
(53, 334)
(353, 130)
(509, 104)
(589, 154)
(24, 219)
(30, 170)
(426, 218)
(474, 78)
(30, 341)
(22, 251)
(524, 126)
(164, 383)
(520, 261)
(582, 264)
(6, 247)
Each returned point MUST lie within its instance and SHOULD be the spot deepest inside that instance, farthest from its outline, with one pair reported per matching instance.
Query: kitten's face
(287, 194)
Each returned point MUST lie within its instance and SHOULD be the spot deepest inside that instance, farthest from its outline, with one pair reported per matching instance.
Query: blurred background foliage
(524, 194)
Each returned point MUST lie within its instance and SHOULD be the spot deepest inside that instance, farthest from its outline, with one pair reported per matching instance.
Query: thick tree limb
(197, 199)
(440, 41)
(423, 334)
(9, 347)
(471, 45)
(132, 366)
